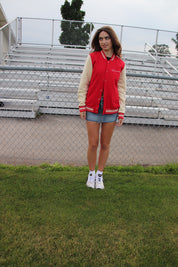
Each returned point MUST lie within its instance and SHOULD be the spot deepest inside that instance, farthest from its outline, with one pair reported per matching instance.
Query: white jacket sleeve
(122, 91)
(84, 83)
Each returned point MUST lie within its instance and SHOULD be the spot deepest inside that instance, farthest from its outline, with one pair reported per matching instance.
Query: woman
(101, 96)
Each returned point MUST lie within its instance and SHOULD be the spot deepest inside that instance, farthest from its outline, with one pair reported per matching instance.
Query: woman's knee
(93, 146)
(104, 146)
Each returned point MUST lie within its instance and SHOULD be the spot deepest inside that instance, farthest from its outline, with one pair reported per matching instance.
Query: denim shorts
(100, 117)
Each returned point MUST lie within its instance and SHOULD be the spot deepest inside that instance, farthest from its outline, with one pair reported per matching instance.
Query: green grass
(48, 217)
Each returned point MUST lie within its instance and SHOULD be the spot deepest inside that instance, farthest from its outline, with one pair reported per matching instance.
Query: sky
(162, 14)
(157, 14)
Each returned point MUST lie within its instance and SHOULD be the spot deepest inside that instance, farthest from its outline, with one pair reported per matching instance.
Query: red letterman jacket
(103, 81)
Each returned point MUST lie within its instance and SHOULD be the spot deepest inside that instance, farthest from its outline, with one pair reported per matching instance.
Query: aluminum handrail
(168, 72)
(7, 24)
(172, 66)
(150, 46)
(53, 41)
(101, 23)
(121, 28)
(155, 58)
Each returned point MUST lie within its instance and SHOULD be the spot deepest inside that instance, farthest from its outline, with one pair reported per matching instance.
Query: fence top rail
(99, 23)
(22, 68)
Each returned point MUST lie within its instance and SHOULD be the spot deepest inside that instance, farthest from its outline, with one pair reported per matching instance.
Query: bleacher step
(29, 94)
(15, 113)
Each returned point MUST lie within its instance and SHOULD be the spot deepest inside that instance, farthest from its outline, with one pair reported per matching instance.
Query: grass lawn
(48, 217)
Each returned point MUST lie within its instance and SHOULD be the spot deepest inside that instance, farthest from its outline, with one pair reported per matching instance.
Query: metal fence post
(156, 43)
(52, 38)
(90, 35)
(122, 27)
(9, 47)
(16, 31)
(19, 30)
(157, 32)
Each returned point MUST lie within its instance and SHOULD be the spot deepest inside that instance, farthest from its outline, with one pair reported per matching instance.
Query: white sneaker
(91, 181)
(99, 182)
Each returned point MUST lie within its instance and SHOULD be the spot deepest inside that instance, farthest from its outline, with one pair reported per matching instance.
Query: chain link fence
(39, 119)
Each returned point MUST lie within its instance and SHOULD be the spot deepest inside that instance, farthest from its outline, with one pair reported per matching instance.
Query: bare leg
(93, 140)
(106, 134)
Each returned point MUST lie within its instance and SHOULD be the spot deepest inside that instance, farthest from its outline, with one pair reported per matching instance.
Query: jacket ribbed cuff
(82, 108)
(120, 115)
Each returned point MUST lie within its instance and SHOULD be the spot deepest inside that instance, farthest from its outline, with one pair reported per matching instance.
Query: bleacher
(27, 91)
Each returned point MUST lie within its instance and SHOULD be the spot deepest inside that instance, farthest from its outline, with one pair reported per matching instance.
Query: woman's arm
(122, 92)
(84, 84)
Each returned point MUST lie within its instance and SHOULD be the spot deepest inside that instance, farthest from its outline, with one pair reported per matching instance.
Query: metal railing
(171, 65)
(39, 31)
(155, 58)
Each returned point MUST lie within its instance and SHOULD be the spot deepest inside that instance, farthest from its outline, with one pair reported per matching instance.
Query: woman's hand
(83, 115)
(120, 122)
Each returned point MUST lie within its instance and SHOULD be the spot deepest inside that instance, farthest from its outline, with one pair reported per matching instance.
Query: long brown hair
(115, 41)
